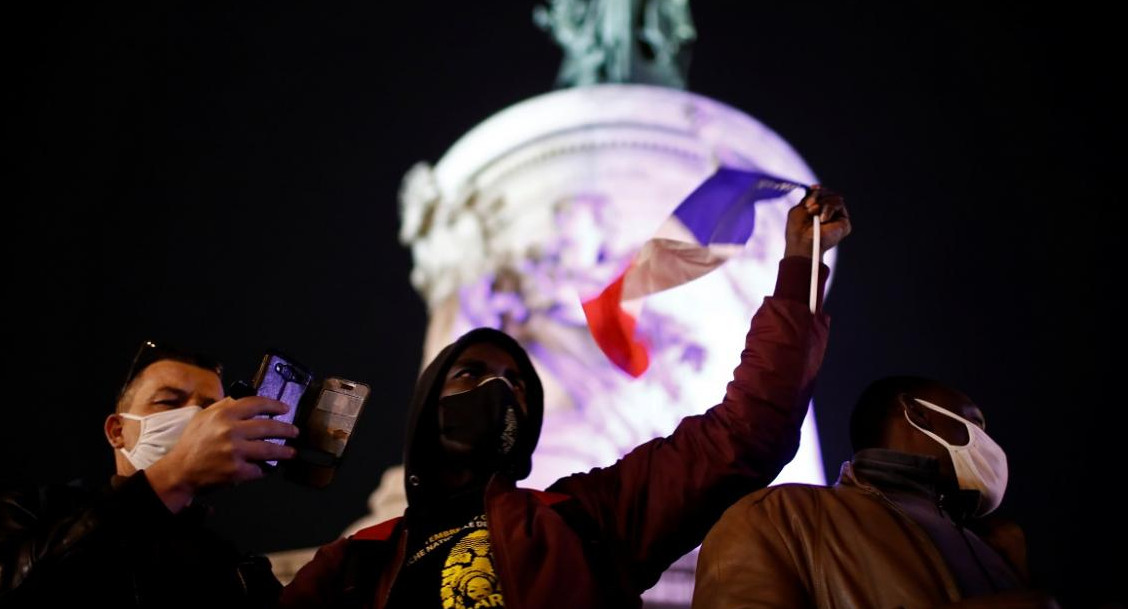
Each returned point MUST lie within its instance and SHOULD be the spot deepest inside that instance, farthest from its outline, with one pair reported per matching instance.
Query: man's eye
(517, 382)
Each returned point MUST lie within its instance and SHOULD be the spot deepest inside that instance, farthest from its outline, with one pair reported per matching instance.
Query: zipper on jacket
(975, 555)
(399, 566)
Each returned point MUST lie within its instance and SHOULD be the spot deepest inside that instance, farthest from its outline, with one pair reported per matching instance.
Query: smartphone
(282, 378)
(327, 426)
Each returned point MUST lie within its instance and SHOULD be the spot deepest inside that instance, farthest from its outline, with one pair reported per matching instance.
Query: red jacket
(601, 538)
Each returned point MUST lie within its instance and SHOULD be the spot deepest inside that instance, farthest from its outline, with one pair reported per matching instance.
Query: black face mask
(481, 425)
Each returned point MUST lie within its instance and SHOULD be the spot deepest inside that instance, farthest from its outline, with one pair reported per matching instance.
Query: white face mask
(980, 464)
(159, 433)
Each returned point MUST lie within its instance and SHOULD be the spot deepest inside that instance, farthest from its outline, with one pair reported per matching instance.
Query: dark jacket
(801, 546)
(601, 538)
(117, 545)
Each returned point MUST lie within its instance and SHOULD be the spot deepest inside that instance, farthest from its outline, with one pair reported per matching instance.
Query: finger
(830, 205)
(826, 194)
(809, 193)
(838, 213)
(261, 450)
(257, 429)
(829, 209)
(255, 405)
(811, 198)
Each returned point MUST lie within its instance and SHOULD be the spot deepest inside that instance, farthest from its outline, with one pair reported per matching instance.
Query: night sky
(225, 175)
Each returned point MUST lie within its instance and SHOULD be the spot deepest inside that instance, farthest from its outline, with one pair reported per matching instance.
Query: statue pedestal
(543, 204)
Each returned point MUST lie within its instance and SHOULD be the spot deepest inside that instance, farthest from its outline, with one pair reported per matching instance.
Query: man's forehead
(971, 412)
(175, 373)
(956, 403)
(482, 351)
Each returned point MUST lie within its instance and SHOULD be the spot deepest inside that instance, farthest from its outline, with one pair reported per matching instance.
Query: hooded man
(470, 537)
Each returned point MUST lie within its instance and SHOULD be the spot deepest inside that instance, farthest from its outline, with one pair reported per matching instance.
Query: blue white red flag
(712, 224)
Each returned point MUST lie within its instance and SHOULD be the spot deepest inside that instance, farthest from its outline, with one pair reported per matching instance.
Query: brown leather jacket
(846, 546)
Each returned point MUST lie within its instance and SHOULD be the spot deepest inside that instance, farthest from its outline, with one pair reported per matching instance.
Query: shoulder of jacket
(384, 530)
(549, 498)
(377, 532)
(786, 493)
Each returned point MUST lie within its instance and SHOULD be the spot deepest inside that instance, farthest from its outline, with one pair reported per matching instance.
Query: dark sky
(225, 175)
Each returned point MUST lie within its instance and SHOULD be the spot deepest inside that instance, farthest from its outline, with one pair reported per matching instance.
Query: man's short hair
(877, 403)
(151, 352)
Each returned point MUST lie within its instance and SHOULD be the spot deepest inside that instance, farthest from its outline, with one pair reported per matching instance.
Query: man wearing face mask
(140, 541)
(909, 523)
(472, 538)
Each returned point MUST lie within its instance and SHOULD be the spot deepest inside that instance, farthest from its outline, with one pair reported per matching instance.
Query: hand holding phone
(281, 378)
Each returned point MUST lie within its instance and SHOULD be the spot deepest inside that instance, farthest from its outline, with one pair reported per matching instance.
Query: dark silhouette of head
(882, 413)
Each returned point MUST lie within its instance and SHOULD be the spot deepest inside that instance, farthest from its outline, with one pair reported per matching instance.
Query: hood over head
(422, 449)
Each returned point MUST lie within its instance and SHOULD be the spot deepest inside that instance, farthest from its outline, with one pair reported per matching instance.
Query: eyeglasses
(149, 353)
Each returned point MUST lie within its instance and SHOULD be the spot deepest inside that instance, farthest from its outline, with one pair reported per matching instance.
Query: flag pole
(815, 265)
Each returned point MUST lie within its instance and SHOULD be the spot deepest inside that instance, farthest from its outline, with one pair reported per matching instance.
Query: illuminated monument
(547, 199)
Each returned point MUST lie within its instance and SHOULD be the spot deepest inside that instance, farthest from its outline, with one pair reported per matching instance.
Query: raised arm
(657, 502)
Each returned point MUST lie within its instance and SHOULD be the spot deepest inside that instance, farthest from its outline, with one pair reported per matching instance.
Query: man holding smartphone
(140, 541)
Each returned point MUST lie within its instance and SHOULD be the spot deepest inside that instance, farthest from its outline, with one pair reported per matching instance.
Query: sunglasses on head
(150, 352)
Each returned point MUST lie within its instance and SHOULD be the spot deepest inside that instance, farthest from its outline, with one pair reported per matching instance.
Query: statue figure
(619, 41)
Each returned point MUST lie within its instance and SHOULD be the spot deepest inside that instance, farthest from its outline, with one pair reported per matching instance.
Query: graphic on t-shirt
(469, 580)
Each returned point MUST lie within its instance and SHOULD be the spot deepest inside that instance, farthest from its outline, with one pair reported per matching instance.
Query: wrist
(793, 279)
(170, 485)
(798, 251)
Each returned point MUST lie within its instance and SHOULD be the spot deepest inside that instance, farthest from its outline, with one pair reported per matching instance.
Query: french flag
(712, 224)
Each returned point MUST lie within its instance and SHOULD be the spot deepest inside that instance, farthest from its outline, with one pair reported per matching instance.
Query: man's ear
(112, 428)
(915, 411)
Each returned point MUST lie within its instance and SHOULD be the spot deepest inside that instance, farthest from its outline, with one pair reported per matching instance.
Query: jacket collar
(891, 472)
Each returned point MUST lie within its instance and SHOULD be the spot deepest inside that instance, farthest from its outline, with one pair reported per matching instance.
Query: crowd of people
(909, 522)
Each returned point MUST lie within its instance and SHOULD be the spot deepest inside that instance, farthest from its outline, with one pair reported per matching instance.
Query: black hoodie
(436, 517)
(421, 445)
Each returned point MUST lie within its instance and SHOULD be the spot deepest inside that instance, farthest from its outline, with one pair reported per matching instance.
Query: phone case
(327, 425)
(331, 422)
(282, 378)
